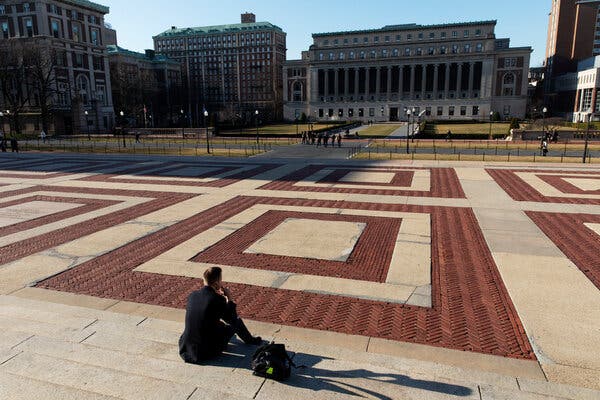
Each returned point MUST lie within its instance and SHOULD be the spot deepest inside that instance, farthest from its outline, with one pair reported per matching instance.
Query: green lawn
(380, 130)
(470, 129)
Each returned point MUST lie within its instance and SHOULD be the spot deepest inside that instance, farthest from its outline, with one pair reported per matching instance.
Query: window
(384, 53)
(326, 43)
(5, 32)
(355, 40)
(376, 40)
(28, 27)
(407, 51)
(398, 38)
(55, 28)
(362, 55)
(454, 48)
(506, 110)
(26, 8)
(2, 9)
(331, 57)
(508, 84)
(371, 112)
(352, 55)
(409, 36)
(428, 111)
(454, 34)
(78, 60)
(76, 32)
(479, 48)
(443, 50)
(431, 51)
(83, 88)
(440, 111)
(467, 48)
(74, 14)
(341, 56)
(478, 32)
(373, 54)
(443, 35)
(510, 62)
(419, 51)
(93, 19)
(95, 36)
(321, 56)
(395, 53)
(451, 110)
(421, 36)
(463, 110)
(63, 90)
(475, 110)
(387, 39)
(366, 40)
(336, 41)
(466, 33)
(345, 41)
(431, 35)
(100, 94)
(361, 112)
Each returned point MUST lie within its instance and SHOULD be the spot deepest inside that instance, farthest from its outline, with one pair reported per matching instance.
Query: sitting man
(210, 321)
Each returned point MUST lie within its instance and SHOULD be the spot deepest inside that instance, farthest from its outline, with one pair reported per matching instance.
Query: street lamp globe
(545, 110)
(206, 113)
(121, 113)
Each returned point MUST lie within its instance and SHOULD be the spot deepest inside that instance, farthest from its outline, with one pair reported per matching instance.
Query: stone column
(377, 82)
(435, 81)
(471, 77)
(447, 82)
(346, 83)
(326, 84)
(389, 82)
(356, 76)
(367, 80)
(401, 82)
(412, 82)
(459, 80)
(423, 81)
(336, 84)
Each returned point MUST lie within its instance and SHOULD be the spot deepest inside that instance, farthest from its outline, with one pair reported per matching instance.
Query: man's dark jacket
(205, 335)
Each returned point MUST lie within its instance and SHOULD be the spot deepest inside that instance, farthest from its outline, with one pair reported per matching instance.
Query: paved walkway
(389, 280)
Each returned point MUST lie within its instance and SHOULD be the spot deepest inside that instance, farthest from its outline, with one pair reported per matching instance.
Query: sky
(525, 22)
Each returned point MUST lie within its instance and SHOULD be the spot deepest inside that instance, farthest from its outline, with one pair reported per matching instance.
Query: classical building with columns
(453, 71)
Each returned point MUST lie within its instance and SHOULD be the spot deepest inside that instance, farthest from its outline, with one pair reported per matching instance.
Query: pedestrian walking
(43, 136)
(339, 140)
(14, 145)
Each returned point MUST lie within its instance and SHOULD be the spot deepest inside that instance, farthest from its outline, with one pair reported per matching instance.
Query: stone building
(231, 70)
(72, 33)
(146, 87)
(453, 71)
(577, 92)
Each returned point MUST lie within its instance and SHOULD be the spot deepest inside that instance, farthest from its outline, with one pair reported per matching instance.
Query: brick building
(232, 70)
(146, 87)
(451, 71)
(71, 33)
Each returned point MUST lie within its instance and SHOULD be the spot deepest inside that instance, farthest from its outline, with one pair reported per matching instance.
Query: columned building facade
(453, 71)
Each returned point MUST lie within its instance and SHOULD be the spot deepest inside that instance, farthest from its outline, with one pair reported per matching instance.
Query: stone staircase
(58, 351)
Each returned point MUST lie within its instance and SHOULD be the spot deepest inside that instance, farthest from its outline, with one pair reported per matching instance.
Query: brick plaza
(484, 259)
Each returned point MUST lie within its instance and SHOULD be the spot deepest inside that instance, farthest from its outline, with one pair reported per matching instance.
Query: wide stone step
(222, 373)
(105, 381)
(15, 387)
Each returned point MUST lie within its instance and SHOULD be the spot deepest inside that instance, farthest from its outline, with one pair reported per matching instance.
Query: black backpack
(272, 361)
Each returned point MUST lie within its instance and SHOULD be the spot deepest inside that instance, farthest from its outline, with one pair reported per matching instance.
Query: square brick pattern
(369, 261)
(26, 247)
(577, 241)
(444, 182)
(471, 309)
(401, 178)
(520, 190)
(559, 182)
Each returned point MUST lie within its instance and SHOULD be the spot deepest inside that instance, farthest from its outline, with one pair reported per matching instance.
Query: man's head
(212, 276)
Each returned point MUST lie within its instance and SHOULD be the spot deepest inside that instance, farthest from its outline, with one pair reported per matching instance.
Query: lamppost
(587, 136)
(206, 130)
(122, 114)
(490, 137)
(544, 111)
(87, 124)
(182, 124)
(256, 120)
(408, 112)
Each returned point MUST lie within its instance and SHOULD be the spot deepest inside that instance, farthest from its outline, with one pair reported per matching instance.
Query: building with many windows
(64, 40)
(232, 70)
(579, 91)
(451, 71)
(146, 87)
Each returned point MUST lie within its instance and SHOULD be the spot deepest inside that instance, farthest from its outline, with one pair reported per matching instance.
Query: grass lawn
(481, 144)
(497, 128)
(470, 157)
(380, 130)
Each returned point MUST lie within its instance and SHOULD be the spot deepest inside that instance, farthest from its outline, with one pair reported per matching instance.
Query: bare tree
(13, 81)
(41, 63)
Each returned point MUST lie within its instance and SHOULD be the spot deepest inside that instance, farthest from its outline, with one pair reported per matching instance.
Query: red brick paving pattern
(471, 308)
(578, 242)
(23, 248)
(229, 180)
(401, 178)
(363, 263)
(559, 183)
(88, 205)
(520, 190)
(444, 183)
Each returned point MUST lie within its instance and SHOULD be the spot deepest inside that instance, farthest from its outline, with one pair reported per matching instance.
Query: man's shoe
(255, 340)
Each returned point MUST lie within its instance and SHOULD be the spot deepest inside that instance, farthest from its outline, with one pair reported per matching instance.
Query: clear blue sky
(136, 21)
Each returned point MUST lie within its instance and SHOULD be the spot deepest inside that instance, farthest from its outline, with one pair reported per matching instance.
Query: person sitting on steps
(211, 320)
